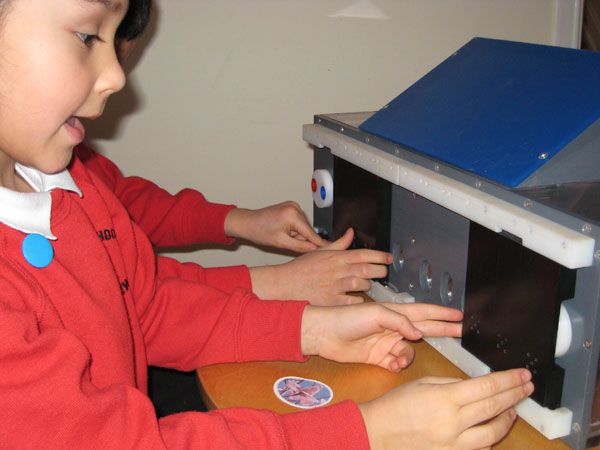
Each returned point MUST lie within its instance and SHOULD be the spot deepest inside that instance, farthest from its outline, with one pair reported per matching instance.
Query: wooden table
(251, 385)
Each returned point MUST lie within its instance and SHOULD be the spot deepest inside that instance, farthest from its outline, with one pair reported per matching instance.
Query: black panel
(362, 201)
(512, 305)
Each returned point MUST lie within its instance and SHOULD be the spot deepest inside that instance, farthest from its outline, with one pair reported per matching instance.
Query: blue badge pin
(37, 250)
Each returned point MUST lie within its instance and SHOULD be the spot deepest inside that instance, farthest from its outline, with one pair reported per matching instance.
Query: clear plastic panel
(581, 199)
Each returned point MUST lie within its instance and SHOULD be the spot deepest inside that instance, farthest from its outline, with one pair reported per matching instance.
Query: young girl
(82, 312)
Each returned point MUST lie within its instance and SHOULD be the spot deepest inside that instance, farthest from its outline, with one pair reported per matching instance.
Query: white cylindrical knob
(322, 188)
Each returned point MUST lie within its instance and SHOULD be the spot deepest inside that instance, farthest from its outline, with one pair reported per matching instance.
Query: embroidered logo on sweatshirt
(107, 234)
(124, 285)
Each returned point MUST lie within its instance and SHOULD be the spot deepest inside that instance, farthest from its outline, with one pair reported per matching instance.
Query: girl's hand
(374, 333)
(281, 226)
(446, 413)
(323, 277)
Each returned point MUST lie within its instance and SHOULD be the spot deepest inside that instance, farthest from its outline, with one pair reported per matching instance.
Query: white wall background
(219, 90)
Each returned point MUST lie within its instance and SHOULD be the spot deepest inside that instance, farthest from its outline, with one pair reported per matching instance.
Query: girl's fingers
(426, 311)
(394, 364)
(477, 412)
(342, 243)
(486, 435)
(367, 270)
(403, 352)
(390, 320)
(295, 235)
(439, 328)
(349, 300)
(353, 284)
(298, 245)
(364, 255)
(439, 380)
(305, 231)
(479, 388)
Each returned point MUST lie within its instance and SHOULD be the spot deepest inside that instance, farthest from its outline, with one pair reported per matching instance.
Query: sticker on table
(302, 392)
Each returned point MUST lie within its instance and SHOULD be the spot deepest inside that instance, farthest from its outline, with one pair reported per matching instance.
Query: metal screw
(527, 203)
(478, 184)
(576, 428)
(587, 344)
(543, 156)
(586, 228)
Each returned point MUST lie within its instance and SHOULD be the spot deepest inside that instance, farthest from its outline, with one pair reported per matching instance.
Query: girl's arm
(185, 218)
(49, 398)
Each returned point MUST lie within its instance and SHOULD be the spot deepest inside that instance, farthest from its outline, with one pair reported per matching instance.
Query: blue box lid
(496, 108)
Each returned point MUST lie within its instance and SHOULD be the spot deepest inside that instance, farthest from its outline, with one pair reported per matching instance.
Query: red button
(313, 185)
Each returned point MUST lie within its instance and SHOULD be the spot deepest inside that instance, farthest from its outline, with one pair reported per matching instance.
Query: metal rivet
(413, 241)
(478, 184)
(587, 344)
(527, 203)
(586, 228)
(436, 167)
(342, 129)
(411, 286)
(576, 428)
(543, 156)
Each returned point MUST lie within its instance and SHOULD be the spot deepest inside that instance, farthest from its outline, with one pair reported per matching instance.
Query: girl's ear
(123, 47)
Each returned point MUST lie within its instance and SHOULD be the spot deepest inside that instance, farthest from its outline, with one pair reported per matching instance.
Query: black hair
(135, 21)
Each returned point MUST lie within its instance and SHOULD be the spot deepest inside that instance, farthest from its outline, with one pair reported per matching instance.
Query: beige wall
(217, 97)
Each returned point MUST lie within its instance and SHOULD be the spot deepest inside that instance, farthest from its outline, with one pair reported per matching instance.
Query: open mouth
(75, 129)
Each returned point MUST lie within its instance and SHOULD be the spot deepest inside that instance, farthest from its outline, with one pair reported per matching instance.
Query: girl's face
(57, 64)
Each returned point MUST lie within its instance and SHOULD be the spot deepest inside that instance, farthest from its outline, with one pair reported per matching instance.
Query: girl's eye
(87, 39)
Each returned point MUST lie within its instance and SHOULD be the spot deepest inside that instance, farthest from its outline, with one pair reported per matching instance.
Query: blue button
(37, 250)
(323, 193)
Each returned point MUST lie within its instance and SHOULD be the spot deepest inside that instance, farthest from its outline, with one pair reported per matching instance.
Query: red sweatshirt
(76, 337)
(168, 220)
(185, 218)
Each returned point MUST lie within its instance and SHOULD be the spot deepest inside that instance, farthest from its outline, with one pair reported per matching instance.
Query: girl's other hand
(281, 226)
(323, 277)
(374, 333)
(446, 413)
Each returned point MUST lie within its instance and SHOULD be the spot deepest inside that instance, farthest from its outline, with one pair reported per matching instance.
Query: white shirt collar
(30, 212)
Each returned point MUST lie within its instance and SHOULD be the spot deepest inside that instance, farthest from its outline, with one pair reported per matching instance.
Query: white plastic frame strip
(554, 241)
(552, 424)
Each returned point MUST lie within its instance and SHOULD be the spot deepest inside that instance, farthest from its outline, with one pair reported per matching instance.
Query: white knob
(564, 335)
(322, 188)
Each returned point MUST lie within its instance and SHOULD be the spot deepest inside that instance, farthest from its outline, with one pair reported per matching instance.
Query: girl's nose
(112, 76)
